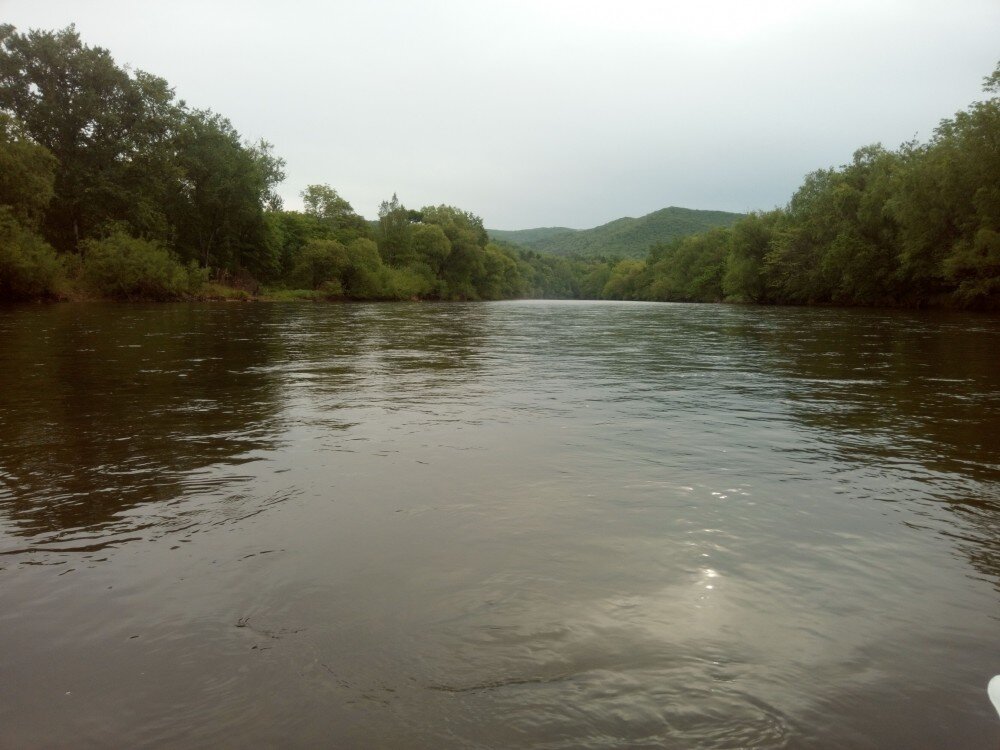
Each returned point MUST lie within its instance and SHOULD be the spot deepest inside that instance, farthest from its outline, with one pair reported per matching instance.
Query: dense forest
(110, 186)
(626, 237)
(918, 226)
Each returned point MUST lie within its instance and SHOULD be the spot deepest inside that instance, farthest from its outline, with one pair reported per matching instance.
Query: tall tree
(108, 129)
(332, 215)
(217, 208)
(463, 269)
(395, 236)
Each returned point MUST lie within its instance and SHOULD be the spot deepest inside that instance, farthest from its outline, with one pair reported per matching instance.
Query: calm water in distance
(530, 524)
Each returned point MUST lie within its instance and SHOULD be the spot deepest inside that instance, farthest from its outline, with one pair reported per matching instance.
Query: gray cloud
(555, 113)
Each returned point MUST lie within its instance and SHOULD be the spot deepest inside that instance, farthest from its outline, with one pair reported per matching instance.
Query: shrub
(29, 266)
(318, 263)
(412, 282)
(124, 267)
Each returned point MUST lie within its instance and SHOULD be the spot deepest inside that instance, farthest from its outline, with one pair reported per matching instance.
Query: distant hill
(621, 238)
(526, 237)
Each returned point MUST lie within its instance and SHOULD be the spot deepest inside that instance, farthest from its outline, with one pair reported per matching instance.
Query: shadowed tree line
(111, 184)
(438, 252)
(912, 227)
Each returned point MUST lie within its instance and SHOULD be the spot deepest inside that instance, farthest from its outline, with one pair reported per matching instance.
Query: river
(518, 524)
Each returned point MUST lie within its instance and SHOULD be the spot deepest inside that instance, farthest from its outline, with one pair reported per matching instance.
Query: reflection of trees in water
(900, 393)
(103, 408)
(425, 337)
(106, 407)
(384, 350)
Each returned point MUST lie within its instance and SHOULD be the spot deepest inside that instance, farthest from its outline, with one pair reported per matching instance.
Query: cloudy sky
(555, 112)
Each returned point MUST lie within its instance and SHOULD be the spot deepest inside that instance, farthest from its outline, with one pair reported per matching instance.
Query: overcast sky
(555, 112)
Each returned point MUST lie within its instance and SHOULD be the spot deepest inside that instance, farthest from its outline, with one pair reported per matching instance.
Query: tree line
(916, 226)
(108, 181)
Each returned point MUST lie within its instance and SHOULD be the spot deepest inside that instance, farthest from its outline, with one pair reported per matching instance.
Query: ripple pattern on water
(552, 525)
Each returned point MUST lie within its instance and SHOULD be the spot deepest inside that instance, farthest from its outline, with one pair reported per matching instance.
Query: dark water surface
(548, 525)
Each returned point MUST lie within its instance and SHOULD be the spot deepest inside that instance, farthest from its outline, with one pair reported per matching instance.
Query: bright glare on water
(531, 524)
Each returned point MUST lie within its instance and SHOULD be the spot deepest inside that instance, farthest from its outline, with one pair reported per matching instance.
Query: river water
(528, 524)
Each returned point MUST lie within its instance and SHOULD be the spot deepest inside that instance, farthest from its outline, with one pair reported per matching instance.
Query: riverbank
(75, 292)
(72, 292)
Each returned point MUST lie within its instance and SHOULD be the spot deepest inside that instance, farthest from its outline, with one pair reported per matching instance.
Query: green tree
(320, 263)
(430, 246)
(745, 278)
(129, 268)
(463, 270)
(622, 281)
(362, 278)
(948, 206)
(27, 175)
(688, 269)
(395, 236)
(501, 279)
(109, 131)
(217, 208)
(334, 217)
(29, 266)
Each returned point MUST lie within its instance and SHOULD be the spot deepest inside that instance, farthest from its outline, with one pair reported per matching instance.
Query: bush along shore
(112, 188)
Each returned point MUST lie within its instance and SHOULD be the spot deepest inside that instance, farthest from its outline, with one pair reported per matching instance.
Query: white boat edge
(993, 690)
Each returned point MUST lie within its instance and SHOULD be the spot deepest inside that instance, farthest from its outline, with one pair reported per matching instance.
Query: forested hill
(621, 238)
(530, 238)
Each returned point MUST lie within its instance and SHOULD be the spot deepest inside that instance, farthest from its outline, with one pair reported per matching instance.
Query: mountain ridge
(625, 237)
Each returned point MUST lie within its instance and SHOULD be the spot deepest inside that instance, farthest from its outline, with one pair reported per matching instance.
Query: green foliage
(500, 278)
(104, 161)
(319, 262)
(689, 269)
(108, 129)
(837, 240)
(458, 225)
(112, 147)
(621, 238)
(355, 271)
(27, 175)
(292, 231)
(975, 268)
(323, 202)
(916, 226)
(948, 194)
(29, 266)
(333, 216)
(395, 236)
(217, 207)
(528, 238)
(99, 159)
(594, 280)
(129, 268)
(363, 277)
(552, 277)
(623, 282)
(280, 294)
(744, 279)
(439, 252)
(430, 246)
(463, 271)
(410, 283)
